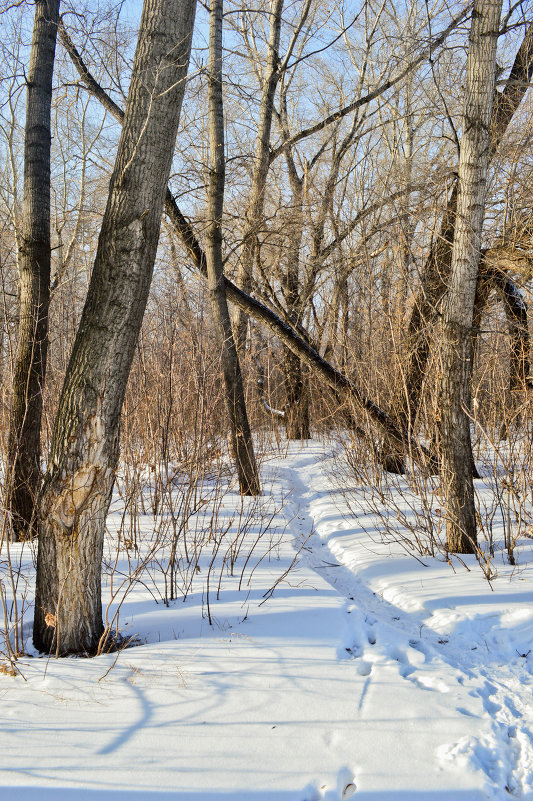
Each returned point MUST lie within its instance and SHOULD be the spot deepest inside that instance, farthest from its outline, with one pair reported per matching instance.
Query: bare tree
(241, 437)
(24, 446)
(261, 163)
(85, 445)
(457, 459)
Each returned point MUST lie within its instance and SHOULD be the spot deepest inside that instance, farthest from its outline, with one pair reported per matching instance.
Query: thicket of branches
(328, 222)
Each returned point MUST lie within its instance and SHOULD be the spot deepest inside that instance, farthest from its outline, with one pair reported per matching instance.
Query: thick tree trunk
(456, 458)
(491, 276)
(24, 444)
(296, 408)
(241, 437)
(435, 281)
(85, 444)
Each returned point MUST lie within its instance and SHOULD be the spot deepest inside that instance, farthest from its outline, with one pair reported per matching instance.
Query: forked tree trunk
(241, 437)
(437, 268)
(85, 445)
(24, 443)
(456, 460)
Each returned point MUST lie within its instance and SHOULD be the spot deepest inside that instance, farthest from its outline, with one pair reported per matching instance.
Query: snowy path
(465, 660)
(366, 675)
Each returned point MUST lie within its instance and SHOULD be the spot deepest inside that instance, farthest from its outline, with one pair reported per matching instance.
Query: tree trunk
(85, 444)
(456, 460)
(493, 276)
(516, 313)
(241, 437)
(296, 408)
(24, 443)
(254, 211)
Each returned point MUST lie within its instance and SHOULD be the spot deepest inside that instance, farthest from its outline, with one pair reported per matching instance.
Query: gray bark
(254, 211)
(296, 385)
(85, 444)
(456, 448)
(24, 444)
(241, 437)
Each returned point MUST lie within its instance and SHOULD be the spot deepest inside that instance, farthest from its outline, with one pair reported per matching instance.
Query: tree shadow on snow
(310, 794)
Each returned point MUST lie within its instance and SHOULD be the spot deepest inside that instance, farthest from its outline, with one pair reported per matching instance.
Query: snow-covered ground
(364, 674)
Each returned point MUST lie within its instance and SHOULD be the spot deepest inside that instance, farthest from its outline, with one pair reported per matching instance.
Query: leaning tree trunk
(491, 276)
(24, 443)
(241, 437)
(295, 340)
(456, 459)
(85, 444)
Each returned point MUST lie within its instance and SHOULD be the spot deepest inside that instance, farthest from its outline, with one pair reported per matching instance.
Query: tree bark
(241, 437)
(254, 211)
(85, 444)
(296, 385)
(24, 443)
(456, 457)
(296, 407)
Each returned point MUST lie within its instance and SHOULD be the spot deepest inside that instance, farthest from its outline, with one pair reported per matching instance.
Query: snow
(365, 673)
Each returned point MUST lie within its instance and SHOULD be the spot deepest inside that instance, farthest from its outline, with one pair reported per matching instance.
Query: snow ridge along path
(366, 675)
(465, 649)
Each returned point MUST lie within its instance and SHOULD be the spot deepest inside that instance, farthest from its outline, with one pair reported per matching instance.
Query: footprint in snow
(426, 681)
(410, 662)
(353, 651)
(364, 668)
(485, 693)
(371, 636)
(405, 667)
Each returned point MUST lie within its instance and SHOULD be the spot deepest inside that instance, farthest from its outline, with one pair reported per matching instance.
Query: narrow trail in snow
(471, 678)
